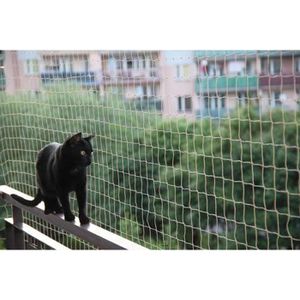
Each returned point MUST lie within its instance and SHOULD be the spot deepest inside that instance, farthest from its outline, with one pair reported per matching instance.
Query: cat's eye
(83, 153)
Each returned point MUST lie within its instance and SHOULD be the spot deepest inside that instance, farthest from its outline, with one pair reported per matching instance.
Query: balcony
(130, 76)
(279, 80)
(212, 113)
(222, 54)
(2, 81)
(147, 104)
(225, 84)
(83, 78)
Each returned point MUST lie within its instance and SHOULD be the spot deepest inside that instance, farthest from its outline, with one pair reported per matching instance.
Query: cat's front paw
(84, 219)
(69, 217)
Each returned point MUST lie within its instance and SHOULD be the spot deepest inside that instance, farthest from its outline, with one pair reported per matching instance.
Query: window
(51, 64)
(214, 103)
(242, 99)
(31, 66)
(153, 74)
(206, 102)
(236, 67)
(214, 69)
(184, 104)
(178, 73)
(112, 64)
(152, 63)
(180, 109)
(183, 72)
(276, 99)
(67, 64)
(186, 71)
(119, 64)
(274, 66)
(145, 62)
(298, 97)
(297, 64)
(86, 65)
(129, 64)
(142, 62)
(250, 67)
(139, 91)
(152, 89)
(145, 91)
(188, 104)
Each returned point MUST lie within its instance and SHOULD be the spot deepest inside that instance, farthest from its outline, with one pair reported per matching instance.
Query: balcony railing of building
(212, 113)
(131, 76)
(2, 75)
(2, 81)
(233, 54)
(84, 78)
(17, 229)
(267, 80)
(146, 103)
(226, 83)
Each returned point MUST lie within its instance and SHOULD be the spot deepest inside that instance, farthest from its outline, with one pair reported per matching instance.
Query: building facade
(190, 84)
(132, 75)
(178, 71)
(262, 79)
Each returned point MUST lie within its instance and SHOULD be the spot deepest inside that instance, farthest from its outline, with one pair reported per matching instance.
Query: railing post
(10, 236)
(15, 236)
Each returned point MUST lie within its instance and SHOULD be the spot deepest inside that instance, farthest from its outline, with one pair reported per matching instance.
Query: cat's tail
(37, 200)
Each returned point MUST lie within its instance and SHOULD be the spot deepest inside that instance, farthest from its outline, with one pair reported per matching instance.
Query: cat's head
(79, 150)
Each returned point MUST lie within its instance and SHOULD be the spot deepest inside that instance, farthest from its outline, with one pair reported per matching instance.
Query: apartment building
(178, 71)
(83, 67)
(224, 80)
(279, 79)
(132, 75)
(2, 75)
(263, 79)
(190, 84)
(30, 70)
(21, 69)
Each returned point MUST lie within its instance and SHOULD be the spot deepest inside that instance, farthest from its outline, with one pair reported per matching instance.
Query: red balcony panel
(279, 80)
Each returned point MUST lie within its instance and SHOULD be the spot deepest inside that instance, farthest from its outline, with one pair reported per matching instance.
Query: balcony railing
(131, 76)
(2, 81)
(146, 104)
(225, 84)
(266, 80)
(222, 54)
(84, 78)
(16, 228)
(212, 113)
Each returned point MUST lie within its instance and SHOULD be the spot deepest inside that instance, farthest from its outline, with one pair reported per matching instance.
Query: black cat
(61, 168)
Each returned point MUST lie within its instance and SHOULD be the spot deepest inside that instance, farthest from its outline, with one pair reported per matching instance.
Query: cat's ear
(74, 139)
(88, 138)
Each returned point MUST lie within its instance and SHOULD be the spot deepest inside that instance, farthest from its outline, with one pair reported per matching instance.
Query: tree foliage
(226, 184)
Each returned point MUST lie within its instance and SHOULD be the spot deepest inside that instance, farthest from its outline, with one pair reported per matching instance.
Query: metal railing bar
(100, 238)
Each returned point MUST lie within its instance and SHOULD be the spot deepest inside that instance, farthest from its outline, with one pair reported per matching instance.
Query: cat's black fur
(61, 169)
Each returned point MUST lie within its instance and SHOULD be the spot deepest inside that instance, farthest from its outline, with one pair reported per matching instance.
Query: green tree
(230, 184)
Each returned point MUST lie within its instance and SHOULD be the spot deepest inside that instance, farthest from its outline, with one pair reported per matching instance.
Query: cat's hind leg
(52, 205)
(57, 207)
(48, 208)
